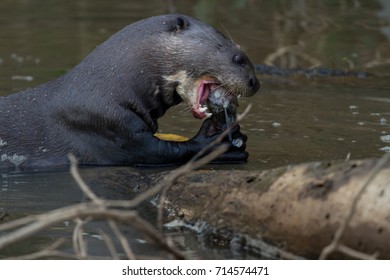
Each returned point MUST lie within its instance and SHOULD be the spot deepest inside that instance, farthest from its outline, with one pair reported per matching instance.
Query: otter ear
(179, 23)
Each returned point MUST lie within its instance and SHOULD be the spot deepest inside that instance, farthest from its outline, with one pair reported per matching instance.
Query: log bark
(298, 208)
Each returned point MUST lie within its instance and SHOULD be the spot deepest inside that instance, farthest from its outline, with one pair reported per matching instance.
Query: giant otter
(105, 110)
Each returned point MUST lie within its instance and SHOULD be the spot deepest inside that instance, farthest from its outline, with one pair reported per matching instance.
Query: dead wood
(300, 207)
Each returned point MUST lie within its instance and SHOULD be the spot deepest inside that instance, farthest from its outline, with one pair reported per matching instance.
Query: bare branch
(356, 254)
(79, 245)
(51, 250)
(156, 237)
(110, 245)
(3, 215)
(220, 138)
(197, 162)
(80, 182)
(188, 167)
(122, 239)
(99, 208)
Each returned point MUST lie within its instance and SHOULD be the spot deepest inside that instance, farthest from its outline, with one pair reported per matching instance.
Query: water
(292, 120)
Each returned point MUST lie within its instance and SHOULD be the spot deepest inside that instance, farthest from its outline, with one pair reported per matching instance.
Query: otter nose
(254, 83)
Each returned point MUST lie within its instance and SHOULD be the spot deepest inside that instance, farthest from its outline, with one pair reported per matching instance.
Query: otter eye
(238, 59)
(179, 24)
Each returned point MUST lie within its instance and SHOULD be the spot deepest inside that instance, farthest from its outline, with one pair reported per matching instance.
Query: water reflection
(56, 36)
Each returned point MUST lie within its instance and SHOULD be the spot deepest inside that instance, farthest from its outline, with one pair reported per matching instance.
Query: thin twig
(220, 138)
(45, 254)
(3, 215)
(155, 236)
(142, 197)
(188, 167)
(122, 239)
(110, 245)
(80, 182)
(76, 247)
(99, 208)
(48, 251)
(334, 245)
(42, 221)
(356, 254)
(85, 210)
(271, 58)
(197, 162)
(79, 245)
(17, 223)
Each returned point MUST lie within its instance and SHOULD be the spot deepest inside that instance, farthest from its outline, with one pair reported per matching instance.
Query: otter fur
(105, 109)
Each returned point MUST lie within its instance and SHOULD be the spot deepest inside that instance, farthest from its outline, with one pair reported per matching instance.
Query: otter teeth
(202, 109)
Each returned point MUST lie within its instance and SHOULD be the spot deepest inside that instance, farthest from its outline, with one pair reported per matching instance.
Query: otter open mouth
(211, 98)
(199, 108)
(196, 92)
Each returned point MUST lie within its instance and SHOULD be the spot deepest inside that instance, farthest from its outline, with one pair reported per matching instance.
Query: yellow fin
(171, 137)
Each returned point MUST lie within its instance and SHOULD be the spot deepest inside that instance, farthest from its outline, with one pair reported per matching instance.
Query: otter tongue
(199, 109)
(203, 93)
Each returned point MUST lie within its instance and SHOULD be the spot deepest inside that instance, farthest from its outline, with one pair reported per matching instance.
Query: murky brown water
(294, 119)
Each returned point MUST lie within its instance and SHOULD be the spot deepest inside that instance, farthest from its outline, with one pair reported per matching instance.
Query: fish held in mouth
(223, 107)
(221, 100)
(211, 98)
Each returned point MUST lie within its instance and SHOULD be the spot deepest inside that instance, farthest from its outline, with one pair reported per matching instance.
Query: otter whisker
(227, 32)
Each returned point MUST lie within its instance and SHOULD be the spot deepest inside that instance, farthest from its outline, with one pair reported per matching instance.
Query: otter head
(164, 60)
(199, 59)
